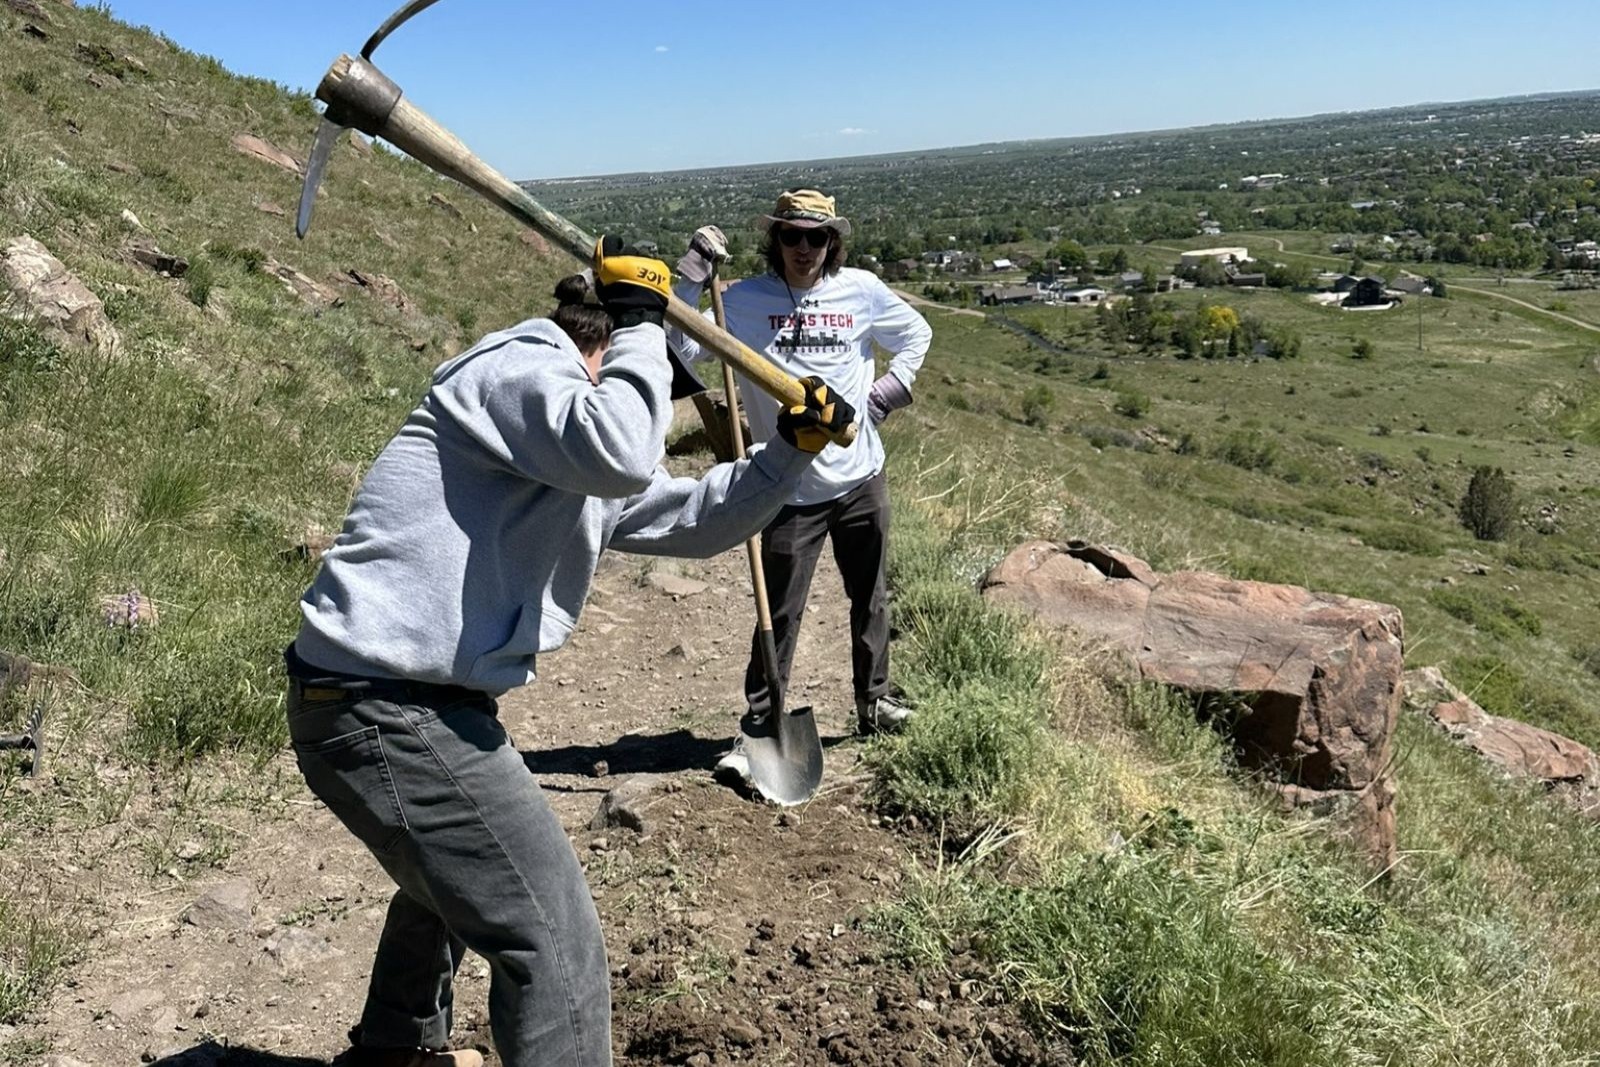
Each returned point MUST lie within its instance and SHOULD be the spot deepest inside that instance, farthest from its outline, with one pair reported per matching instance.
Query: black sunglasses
(791, 237)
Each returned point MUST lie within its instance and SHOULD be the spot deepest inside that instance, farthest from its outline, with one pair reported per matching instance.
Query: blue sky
(548, 89)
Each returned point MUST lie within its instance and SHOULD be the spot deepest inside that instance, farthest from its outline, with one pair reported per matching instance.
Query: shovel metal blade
(327, 136)
(785, 754)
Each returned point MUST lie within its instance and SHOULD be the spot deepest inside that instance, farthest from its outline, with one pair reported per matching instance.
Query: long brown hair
(771, 248)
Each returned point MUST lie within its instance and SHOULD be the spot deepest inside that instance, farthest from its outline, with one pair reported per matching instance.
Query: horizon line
(1264, 121)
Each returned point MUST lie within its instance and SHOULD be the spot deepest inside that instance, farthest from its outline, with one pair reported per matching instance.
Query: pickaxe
(359, 95)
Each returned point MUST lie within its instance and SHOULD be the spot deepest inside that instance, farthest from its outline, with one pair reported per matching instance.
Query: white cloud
(852, 131)
(661, 48)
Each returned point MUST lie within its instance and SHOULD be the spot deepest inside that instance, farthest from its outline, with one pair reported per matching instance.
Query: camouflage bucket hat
(806, 209)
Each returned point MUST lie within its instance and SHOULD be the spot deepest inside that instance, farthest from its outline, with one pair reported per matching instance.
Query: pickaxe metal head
(375, 97)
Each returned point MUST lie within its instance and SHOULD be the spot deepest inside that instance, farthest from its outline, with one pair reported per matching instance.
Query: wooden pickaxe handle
(359, 95)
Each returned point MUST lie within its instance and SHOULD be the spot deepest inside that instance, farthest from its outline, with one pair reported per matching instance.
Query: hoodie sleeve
(899, 329)
(699, 518)
(549, 422)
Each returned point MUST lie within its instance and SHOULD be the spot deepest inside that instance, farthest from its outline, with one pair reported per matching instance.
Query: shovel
(783, 747)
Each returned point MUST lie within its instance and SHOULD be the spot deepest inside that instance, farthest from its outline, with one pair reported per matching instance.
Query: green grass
(1104, 869)
(235, 417)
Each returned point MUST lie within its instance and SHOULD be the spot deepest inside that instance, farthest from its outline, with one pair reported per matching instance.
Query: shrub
(1413, 540)
(1362, 349)
(1036, 405)
(1132, 404)
(1489, 506)
(201, 278)
(1248, 450)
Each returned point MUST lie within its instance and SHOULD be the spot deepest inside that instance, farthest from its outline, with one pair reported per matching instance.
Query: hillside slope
(1049, 868)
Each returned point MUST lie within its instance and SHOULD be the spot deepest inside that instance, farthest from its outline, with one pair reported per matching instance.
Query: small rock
(675, 584)
(129, 611)
(222, 907)
(134, 1003)
(624, 805)
(599, 844)
(681, 650)
(741, 1032)
(188, 850)
(131, 219)
(294, 948)
(266, 152)
(267, 207)
(600, 769)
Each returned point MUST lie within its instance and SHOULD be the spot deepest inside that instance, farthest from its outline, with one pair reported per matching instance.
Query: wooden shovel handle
(345, 89)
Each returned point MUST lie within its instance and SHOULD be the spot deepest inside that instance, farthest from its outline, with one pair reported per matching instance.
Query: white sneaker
(734, 767)
(882, 716)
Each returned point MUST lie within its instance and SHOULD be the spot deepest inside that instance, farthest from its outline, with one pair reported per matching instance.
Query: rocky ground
(736, 932)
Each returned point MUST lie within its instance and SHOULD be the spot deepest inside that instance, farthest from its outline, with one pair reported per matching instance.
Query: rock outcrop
(266, 152)
(1520, 749)
(1308, 685)
(36, 287)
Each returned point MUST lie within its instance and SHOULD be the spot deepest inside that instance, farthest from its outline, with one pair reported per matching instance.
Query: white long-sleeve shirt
(825, 330)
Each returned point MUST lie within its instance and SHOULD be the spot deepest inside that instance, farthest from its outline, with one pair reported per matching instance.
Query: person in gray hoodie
(467, 554)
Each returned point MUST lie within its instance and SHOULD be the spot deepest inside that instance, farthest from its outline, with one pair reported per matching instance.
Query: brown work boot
(408, 1057)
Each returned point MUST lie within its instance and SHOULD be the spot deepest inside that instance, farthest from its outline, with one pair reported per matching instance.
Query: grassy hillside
(236, 417)
(1098, 859)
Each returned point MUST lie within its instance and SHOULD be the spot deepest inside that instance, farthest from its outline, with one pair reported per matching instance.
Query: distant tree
(1071, 254)
(1233, 342)
(1149, 281)
(1362, 349)
(1209, 273)
(1436, 283)
(1489, 506)
(1113, 261)
(1218, 321)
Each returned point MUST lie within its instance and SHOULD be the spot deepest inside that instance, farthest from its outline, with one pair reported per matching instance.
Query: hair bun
(573, 289)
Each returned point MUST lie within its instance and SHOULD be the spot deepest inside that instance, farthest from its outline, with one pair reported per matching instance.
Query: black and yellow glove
(633, 288)
(810, 426)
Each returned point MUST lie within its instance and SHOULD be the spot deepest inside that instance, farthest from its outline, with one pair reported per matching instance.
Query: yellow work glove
(632, 288)
(810, 426)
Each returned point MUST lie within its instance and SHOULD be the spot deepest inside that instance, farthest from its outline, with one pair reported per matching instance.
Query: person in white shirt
(811, 315)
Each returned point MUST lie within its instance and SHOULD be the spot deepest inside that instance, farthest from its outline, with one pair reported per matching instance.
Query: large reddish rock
(1518, 748)
(1308, 684)
(35, 286)
(1320, 673)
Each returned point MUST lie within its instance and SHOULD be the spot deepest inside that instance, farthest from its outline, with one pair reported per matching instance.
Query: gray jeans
(431, 784)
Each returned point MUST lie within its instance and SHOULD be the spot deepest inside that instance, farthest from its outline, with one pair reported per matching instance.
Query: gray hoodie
(470, 546)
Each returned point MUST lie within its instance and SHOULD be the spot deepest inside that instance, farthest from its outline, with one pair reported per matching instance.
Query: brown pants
(858, 522)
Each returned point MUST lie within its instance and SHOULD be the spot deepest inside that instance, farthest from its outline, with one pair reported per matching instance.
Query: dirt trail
(735, 931)
(922, 301)
(1531, 307)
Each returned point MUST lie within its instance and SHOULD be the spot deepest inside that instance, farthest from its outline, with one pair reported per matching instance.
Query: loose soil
(737, 933)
